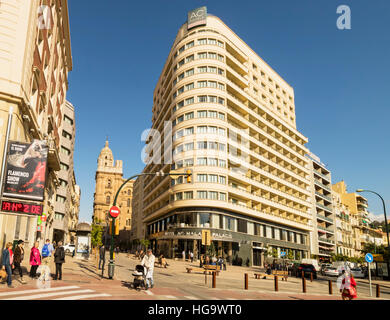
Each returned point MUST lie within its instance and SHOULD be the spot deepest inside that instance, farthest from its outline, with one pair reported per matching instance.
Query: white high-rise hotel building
(233, 120)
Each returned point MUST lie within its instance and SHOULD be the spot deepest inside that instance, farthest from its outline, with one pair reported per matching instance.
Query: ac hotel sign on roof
(197, 17)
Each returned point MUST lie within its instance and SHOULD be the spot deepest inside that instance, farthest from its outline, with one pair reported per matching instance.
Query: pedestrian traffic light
(189, 176)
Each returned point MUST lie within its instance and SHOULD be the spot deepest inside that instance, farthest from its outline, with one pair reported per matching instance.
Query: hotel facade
(231, 120)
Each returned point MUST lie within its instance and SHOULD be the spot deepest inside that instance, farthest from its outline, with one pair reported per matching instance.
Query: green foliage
(274, 253)
(211, 250)
(96, 234)
(290, 255)
(145, 243)
(298, 256)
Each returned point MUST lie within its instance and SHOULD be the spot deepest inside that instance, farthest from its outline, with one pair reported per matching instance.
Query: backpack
(45, 251)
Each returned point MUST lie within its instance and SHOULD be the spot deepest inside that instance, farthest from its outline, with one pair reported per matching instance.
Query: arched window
(129, 192)
(128, 202)
(109, 183)
(107, 199)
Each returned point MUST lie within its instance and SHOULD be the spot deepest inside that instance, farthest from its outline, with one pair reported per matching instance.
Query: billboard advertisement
(197, 17)
(25, 174)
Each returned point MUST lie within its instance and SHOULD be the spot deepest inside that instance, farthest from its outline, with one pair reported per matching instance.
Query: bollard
(303, 285)
(303, 274)
(214, 279)
(276, 283)
(246, 281)
(330, 286)
(378, 291)
(311, 276)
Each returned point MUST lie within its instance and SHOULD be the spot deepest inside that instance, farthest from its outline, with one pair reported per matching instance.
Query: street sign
(369, 257)
(283, 253)
(206, 237)
(114, 211)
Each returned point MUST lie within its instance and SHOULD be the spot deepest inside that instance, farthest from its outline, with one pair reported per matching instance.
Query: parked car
(331, 271)
(324, 266)
(357, 273)
(307, 269)
(294, 269)
(69, 248)
(313, 262)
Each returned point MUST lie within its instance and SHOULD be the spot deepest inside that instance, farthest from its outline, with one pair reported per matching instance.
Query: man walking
(148, 263)
(59, 259)
(18, 258)
(46, 254)
(102, 257)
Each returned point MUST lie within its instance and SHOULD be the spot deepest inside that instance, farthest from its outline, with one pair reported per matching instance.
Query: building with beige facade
(233, 124)
(137, 226)
(108, 179)
(323, 234)
(35, 58)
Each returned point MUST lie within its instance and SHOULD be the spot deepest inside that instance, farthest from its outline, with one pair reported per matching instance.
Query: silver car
(357, 273)
(331, 271)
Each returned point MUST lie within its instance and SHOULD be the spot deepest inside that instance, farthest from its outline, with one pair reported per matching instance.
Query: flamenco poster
(26, 170)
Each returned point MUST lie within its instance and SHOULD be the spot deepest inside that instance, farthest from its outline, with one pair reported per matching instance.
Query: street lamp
(386, 225)
(172, 174)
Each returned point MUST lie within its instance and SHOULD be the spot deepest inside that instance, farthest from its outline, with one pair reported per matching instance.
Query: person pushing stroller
(148, 262)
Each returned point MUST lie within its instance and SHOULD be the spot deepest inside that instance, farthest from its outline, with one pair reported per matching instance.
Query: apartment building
(323, 235)
(233, 124)
(108, 179)
(35, 58)
(137, 227)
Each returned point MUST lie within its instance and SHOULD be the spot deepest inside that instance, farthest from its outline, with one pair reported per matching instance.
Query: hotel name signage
(190, 234)
(197, 17)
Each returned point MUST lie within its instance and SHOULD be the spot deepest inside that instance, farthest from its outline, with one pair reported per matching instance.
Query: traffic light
(189, 176)
(116, 227)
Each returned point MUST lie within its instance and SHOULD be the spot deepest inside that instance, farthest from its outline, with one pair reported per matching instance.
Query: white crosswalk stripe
(191, 298)
(170, 297)
(55, 293)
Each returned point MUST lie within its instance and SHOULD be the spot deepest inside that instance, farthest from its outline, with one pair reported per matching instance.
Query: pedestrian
(35, 260)
(18, 258)
(348, 286)
(207, 260)
(192, 256)
(102, 257)
(201, 261)
(7, 263)
(148, 264)
(224, 263)
(183, 254)
(47, 250)
(141, 255)
(59, 259)
(220, 262)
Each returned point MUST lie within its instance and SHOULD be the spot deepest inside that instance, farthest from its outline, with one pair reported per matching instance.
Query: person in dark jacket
(59, 259)
(7, 262)
(18, 258)
(102, 257)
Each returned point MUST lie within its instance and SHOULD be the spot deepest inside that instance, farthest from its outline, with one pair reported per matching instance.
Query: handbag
(3, 274)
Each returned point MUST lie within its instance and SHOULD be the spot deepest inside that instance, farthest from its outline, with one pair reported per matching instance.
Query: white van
(314, 262)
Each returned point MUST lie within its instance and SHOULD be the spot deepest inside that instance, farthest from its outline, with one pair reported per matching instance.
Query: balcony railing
(324, 218)
(322, 185)
(324, 207)
(325, 229)
(324, 196)
(326, 240)
(322, 175)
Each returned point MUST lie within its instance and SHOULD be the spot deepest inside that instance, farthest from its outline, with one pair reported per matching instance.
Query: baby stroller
(139, 277)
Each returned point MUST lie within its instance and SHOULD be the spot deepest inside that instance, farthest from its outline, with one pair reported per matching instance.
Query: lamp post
(386, 225)
(188, 174)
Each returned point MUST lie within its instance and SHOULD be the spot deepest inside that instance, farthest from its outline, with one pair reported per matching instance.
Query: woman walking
(59, 259)
(35, 260)
(7, 261)
(18, 258)
(348, 286)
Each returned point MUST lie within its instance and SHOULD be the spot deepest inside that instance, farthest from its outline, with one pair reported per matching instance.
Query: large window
(242, 226)
(186, 219)
(229, 223)
(204, 220)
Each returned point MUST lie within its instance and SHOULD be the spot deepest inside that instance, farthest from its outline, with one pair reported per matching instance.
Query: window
(59, 216)
(66, 134)
(221, 72)
(229, 223)
(181, 76)
(204, 219)
(180, 90)
(180, 119)
(220, 221)
(189, 162)
(222, 196)
(202, 114)
(65, 151)
(220, 57)
(190, 86)
(202, 84)
(202, 129)
(189, 72)
(222, 180)
(213, 145)
(202, 98)
(202, 194)
(188, 195)
(108, 199)
(63, 183)
(212, 130)
(221, 147)
(189, 116)
(181, 62)
(212, 55)
(221, 101)
(213, 162)
(213, 99)
(213, 195)
(202, 69)
(212, 84)
(68, 120)
(242, 226)
(213, 114)
(212, 69)
(202, 55)
(128, 202)
(283, 235)
(213, 178)
(222, 163)
(189, 101)
(221, 116)
(190, 44)
(190, 58)
(221, 86)
(221, 131)
(179, 196)
(220, 43)
(181, 49)
(202, 41)
(180, 104)
(189, 146)
(202, 161)
(212, 41)
(201, 177)
(64, 166)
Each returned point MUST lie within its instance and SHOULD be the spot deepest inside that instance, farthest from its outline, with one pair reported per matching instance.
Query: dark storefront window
(242, 226)
(204, 220)
(230, 223)
(187, 219)
(257, 229)
(273, 232)
(220, 221)
(283, 234)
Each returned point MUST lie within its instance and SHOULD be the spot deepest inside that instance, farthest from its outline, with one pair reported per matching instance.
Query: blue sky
(340, 78)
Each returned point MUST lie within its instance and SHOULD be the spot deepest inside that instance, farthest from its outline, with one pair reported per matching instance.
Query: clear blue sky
(340, 77)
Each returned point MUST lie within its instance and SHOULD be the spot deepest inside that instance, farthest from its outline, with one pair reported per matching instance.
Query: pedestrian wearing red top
(348, 287)
(35, 260)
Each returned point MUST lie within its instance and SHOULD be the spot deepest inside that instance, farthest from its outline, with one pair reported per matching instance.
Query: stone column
(195, 250)
(230, 252)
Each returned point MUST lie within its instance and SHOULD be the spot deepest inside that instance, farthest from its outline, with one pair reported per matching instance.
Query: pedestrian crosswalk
(53, 293)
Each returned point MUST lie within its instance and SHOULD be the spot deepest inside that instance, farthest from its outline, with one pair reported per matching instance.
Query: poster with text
(25, 175)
